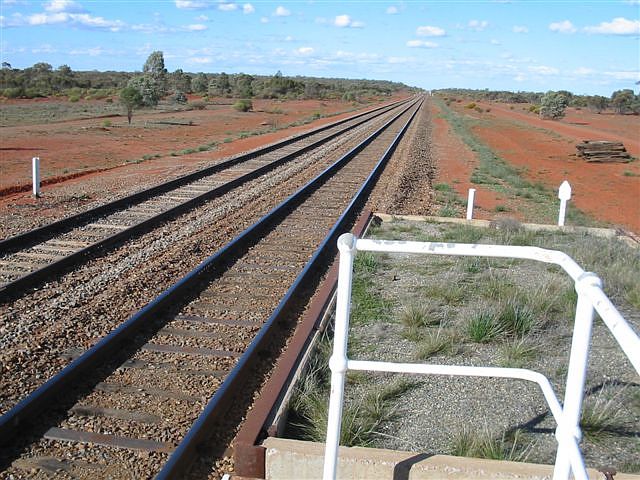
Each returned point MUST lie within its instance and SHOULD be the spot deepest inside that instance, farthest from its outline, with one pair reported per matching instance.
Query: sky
(587, 47)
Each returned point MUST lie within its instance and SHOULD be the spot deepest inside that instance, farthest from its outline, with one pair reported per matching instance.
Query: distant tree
(152, 84)
(131, 98)
(6, 65)
(180, 81)
(553, 105)
(243, 86)
(623, 100)
(223, 86)
(597, 103)
(199, 83)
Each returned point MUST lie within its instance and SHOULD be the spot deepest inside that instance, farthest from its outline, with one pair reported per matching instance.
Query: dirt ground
(545, 152)
(67, 147)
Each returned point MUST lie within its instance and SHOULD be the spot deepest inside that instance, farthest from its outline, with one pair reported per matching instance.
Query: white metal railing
(590, 297)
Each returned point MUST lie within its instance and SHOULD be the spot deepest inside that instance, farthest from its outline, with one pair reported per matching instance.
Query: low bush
(243, 105)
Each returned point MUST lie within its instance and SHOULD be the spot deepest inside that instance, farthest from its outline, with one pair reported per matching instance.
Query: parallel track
(199, 336)
(29, 258)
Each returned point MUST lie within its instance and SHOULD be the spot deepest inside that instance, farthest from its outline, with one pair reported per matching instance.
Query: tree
(553, 105)
(623, 100)
(597, 103)
(199, 83)
(131, 98)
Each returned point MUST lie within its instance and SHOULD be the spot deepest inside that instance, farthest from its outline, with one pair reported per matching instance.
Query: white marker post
(35, 163)
(472, 192)
(564, 194)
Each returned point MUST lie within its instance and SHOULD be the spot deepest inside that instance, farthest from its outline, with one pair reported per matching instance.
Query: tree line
(553, 102)
(155, 83)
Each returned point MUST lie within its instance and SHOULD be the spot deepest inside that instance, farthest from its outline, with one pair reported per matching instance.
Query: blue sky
(589, 47)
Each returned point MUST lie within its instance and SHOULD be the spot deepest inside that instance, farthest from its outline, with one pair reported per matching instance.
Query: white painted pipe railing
(590, 296)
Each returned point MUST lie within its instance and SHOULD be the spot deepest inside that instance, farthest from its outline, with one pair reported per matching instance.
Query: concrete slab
(295, 459)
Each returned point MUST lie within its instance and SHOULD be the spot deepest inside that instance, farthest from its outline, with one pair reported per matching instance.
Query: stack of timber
(603, 151)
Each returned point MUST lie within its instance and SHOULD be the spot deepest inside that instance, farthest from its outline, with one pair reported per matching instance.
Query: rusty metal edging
(249, 456)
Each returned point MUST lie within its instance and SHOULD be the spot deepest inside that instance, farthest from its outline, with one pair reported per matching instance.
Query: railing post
(472, 192)
(576, 375)
(338, 361)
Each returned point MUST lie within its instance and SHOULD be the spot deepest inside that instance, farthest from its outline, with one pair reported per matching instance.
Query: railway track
(142, 395)
(33, 256)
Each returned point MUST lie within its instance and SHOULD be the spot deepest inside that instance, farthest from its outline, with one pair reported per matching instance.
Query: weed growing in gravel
(509, 446)
(518, 353)
(435, 342)
(446, 293)
(602, 415)
(368, 305)
(415, 317)
(483, 327)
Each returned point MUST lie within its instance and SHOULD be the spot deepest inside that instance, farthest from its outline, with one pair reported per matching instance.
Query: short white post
(564, 194)
(35, 164)
(472, 192)
(576, 374)
(338, 361)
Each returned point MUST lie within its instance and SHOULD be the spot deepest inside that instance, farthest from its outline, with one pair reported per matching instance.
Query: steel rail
(32, 237)
(20, 284)
(106, 347)
(184, 454)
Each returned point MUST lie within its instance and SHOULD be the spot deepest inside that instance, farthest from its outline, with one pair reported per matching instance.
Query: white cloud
(392, 10)
(200, 60)
(430, 31)
(583, 71)
(343, 21)
(562, 27)
(196, 27)
(617, 26)
(202, 18)
(282, 12)
(92, 52)
(78, 19)
(264, 20)
(288, 38)
(305, 50)
(248, 8)
(520, 29)
(68, 6)
(227, 7)
(544, 70)
(624, 75)
(400, 60)
(520, 78)
(495, 42)
(46, 48)
(478, 25)
(421, 44)
(190, 4)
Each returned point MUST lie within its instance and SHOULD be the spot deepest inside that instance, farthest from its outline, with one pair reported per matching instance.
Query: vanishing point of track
(158, 382)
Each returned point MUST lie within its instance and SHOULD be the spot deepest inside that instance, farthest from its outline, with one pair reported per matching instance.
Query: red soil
(72, 146)
(545, 150)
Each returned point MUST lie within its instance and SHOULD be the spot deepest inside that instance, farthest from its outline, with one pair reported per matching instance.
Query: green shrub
(243, 105)
(74, 98)
(471, 106)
